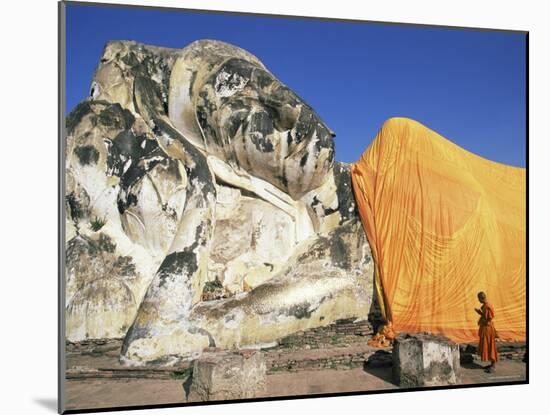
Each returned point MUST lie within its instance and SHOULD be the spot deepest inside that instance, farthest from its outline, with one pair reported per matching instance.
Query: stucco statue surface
(204, 207)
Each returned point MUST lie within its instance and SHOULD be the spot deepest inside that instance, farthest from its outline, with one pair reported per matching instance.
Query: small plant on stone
(182, 374)
(97, 223)
(212, 286)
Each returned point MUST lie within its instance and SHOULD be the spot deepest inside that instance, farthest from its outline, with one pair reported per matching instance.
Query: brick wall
(342, 332)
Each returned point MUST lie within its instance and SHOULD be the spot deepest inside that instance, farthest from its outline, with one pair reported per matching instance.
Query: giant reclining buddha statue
(205, 208)
(205, 170)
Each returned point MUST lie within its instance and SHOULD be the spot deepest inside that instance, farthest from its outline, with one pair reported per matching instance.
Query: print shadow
(48, 403)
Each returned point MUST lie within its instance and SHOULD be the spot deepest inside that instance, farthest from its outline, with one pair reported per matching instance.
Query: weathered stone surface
(425, 360)
(228, 375)
(198, 165)
(230, 104)
(343, 332)
(103, 308)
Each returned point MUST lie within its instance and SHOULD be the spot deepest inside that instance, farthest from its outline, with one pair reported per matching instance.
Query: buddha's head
(227, 103)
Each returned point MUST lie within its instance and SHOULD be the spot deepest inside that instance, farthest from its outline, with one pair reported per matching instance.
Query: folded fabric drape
(443, 224)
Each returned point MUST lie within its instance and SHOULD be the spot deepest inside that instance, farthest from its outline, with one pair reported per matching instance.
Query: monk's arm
(488, 314)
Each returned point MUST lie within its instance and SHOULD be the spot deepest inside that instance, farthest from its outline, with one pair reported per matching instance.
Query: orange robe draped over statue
(487, 348)
(443, 224)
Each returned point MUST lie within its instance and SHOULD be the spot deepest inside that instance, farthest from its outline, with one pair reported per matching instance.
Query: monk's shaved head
(481, 296)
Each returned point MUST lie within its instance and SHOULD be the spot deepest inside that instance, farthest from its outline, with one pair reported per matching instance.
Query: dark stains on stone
(192, 82)
(305, 309)
(116, 117)
(332, 246)
(136, 331)
(262, 123)
(410, 381)
(87, 155)
(90, 258)
(207, 105)
(324, 138)
(124, 267)
(200, 171)
(300, 311)
(326, 211)
(206, 125)
(261, 78)
(440, 369)
(410, 368)
(111, 115)
(78, 246)
(148, 98)
(344, 191)
(283, 180)
(130, 157)
(77, 114)
(275, 96)
(316, 251)
(178, 263)
(184, 262)
(235, 121)
(202, 174)
(73, 206)
(124, 201)
(339, 253)
(151, 108)
(201, 232)
(130, 59)
(78, 204)
(144, 63)
(260, 127)
(105, 243)
(236, 68)
(205, 109)
(200, 330)
(102, 249)
(304, 125)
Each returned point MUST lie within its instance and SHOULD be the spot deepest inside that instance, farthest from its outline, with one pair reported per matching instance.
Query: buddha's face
(251, 120)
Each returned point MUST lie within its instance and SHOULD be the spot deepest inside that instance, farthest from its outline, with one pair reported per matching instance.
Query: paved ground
(507, 371)
(98, 393)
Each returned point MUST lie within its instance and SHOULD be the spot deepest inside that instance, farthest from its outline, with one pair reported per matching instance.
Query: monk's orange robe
(487, 348)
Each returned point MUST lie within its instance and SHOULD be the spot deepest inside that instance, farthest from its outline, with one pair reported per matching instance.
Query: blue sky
(467, 85)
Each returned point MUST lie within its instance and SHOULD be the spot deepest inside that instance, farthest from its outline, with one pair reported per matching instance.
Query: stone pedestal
(228, 375)
(425, 360)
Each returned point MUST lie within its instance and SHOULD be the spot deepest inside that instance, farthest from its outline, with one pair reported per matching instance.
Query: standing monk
(487, 348)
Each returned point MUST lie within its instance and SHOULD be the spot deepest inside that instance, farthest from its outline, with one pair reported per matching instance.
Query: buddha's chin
(306, 172)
